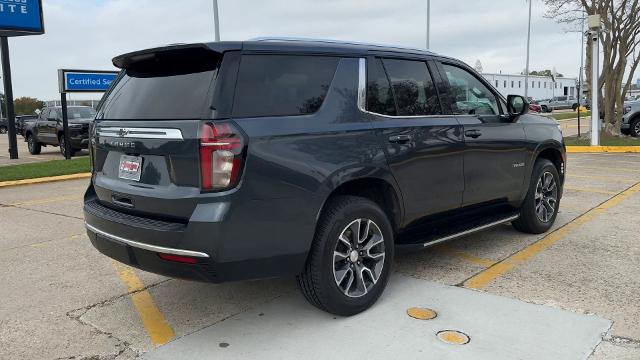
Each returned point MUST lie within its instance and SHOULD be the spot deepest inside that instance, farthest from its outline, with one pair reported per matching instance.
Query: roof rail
(333, 41)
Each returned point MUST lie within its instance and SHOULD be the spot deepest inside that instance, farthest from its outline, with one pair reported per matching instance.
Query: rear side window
(379, 95)
(413, 88)
(281, 85)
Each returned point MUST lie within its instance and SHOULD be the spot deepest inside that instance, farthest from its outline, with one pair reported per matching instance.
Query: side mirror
(517, 105)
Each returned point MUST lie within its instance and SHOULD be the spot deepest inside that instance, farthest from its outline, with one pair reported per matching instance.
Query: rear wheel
(33, 145)
(634, 130)
(350, 258)
(3, 130)
(540, 207)
(574, 107)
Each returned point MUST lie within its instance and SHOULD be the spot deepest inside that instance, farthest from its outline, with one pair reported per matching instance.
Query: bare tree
(478, 66)
(620, 44)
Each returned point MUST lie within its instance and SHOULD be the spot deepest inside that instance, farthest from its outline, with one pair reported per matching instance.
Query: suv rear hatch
(146, 145)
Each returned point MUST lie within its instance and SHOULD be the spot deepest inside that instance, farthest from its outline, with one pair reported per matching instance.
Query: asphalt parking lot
(48, 152)
(569, 294)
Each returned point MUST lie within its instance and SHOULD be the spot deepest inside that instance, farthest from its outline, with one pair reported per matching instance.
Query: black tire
(574, 107)
(530, 221)
(634, 130)
(61, 140)
(318, 282)
(33, 145)
(3, 130)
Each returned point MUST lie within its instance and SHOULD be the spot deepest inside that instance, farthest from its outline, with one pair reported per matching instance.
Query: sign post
(80, 81)
(17, 18)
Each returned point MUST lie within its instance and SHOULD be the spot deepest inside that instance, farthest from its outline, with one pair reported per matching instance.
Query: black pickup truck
(47, 129)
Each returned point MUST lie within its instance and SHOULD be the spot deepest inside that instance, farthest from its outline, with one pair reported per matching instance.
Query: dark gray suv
(274, 157)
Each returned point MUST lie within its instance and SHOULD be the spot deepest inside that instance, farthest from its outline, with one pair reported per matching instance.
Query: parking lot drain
(223, 344)
(421, 313)
(453, 337)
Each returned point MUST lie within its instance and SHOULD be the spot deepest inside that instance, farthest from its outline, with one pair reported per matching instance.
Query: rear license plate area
(130, 167)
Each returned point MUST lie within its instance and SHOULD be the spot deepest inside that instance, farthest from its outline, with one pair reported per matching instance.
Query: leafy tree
(27, 105)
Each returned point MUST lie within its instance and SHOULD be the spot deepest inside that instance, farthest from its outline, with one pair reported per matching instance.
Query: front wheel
(635, 127)
(350, 258)
(3, 130)
(540, 207)
(62, 141)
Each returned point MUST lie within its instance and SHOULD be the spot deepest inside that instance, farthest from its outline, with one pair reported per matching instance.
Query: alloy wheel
(546, 197)
(358, 257)
(636, 128)
(30, 144)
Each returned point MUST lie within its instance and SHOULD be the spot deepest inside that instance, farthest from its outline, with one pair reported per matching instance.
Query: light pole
(215, 20)
(595, 26)
(428, 21)
(526, 71)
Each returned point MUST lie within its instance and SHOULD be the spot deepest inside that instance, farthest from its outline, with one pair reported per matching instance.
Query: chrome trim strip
(140, 133)
(160, 249)
(362, 97)
(362, 84)
(467, 232)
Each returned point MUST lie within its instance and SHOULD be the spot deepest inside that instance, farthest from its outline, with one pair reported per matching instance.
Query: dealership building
(540, 87)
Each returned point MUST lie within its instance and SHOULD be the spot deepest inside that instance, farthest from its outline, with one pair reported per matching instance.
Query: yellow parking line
(598, 177)
(591, 190)
(487, 276)
(154, 322)
(465, 256)
(605, 168)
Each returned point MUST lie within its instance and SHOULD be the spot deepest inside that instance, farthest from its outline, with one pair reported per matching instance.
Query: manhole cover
(453, 337)
(421, 313)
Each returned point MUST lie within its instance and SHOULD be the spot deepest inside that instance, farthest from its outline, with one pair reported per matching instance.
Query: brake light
(221, 153)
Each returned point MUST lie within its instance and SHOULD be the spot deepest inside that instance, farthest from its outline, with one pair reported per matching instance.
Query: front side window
(282, 85)
(414, 91)
(470, 95)
(379, 95)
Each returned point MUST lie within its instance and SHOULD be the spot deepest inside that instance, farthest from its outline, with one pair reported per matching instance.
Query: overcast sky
(89, 33)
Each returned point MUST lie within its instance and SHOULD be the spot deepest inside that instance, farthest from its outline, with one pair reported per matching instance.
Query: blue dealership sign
(85, 80)
(21, 17)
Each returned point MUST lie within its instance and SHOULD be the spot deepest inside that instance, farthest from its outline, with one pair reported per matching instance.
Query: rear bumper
(79, 142)
(218, 257)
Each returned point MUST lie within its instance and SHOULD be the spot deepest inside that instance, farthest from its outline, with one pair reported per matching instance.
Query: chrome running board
(470, 231)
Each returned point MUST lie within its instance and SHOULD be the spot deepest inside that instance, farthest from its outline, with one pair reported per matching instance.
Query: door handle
(399, 139)
(472, 133)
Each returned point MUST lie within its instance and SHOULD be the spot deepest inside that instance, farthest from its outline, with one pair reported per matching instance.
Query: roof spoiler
(186, 51)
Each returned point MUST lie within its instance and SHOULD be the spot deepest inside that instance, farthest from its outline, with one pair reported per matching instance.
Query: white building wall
(540, 87)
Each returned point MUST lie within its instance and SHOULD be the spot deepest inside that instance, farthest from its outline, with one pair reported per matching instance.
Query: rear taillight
(221, 154)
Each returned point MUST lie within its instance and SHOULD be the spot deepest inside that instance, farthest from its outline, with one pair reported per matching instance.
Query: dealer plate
(130, 167)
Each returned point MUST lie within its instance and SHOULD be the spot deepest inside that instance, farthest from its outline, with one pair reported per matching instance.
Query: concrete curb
(41, 180)
(603, 149)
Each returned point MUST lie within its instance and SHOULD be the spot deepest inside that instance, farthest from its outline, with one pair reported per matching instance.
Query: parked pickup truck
(47, 129)
(560, 103)
(22, 121)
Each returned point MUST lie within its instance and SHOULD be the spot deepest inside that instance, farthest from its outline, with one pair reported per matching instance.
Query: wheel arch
(553, 151)
(378, 186)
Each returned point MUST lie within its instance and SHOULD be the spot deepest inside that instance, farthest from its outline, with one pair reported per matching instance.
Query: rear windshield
(280, 85)
(170, 85)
